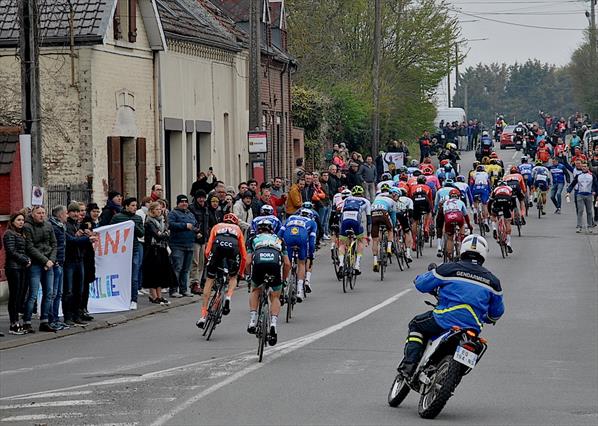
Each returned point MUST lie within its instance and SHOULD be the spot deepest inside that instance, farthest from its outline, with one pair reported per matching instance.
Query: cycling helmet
(524, 159)
(427, 171)
(454, 193)
(520, 123)
(485, 160)
(448, 182)
(474, 247)
(493, 161)
(480, 168)
(395, 190)
(448, 167)
(231, 218)
(485, 133)
(451, 146)
(265, 225)
(513, 169)
(444, 162)
(417, 173)
(402, 192)
(539, 163)
(345, 193)
(403, 177)
(386, 176)
(501, 183)
(402, 169)
(307, 205)
(460, 178)
(493, 155)
(306, 213)
(476, 164)
(357, 190)
(385, 187)
(267, 210)
(421, 180)
(414, 163)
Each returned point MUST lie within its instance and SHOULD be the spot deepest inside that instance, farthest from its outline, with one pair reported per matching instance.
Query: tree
(583, 69)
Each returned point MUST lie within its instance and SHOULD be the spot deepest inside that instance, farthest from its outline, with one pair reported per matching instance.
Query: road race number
(465, 357)
(351, 215)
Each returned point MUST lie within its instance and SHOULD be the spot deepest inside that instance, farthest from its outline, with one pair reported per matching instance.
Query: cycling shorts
(483, 192)
(420, 208)
(451, 218)
(403, 220)
(300, 241)
(265, 267)
(504, 205)
(379, 218)
(541, 185)
(352, 225)
(225, 253)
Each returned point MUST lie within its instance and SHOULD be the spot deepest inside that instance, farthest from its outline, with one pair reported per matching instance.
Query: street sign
(258, 142)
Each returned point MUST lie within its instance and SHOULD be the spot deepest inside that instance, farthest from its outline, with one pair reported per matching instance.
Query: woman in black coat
(17, 263)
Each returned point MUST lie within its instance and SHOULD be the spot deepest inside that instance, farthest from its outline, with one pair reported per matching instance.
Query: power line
(514, 23)
(531, 12)
(518, 2)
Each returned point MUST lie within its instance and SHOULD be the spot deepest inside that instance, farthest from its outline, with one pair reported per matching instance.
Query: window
(125, 20)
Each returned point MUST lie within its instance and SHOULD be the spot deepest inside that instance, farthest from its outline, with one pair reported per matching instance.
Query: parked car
(506, 137)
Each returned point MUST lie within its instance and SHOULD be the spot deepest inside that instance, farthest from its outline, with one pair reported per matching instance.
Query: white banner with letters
(111, 291)
(393, 160)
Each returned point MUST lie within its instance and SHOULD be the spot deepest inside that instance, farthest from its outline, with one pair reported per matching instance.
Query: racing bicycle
(289, 296)
(216, 303)
(383, 257)
(502, 234)
(349, 275)
(262, 328)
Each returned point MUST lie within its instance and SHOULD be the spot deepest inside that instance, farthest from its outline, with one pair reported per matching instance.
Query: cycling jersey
(441, 196)
(541, 177)
(300, 232)
(442, 175)
(502, 201)
(558, 173)
(338, 201)
(356, 213)
(411, 170)
(466, 195)
(276, 223)
(481, 186)
(268, 253)
(518, 182)
(225, 245)
(384, 202)
(390, 183)
(453, 212)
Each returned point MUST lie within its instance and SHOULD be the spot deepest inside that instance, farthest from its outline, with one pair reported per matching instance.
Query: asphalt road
(335, 361)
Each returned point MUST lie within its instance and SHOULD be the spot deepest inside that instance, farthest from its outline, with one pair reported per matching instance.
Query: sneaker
(132, 307)
(307, 287)
(409, 259)
(357, 271)
(164, 290)
(164, 301)
(486, 227)
(578, 230)
(326, 237)
(439, 253)
(82, 323)
(543, 212)
(56, 325)
(201, 322)
(44, 326)
(226, 307)
(69, 323)
(495, 234)
(509, 249)
(176, 295)
(251, 326)
(557, 211)
(86, 317)
(300, 295)
(16, 330)
(590, 230)
(272, 336)
(376, 267)
(63, 325)
(140, 293)
(523, 220)
(27, 329)
(186, 294)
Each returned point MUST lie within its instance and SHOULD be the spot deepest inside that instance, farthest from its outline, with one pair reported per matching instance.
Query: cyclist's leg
(360, 245)
(439, 232)
(211, 271)
(254, 300)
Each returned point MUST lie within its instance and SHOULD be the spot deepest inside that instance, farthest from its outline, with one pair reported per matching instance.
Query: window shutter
(141, 168)
(115, 171)
(132, 21)
(116, 22)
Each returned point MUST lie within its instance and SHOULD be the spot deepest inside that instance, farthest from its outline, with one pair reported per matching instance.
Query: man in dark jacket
(353, 177)
(200, 211)
(112, 207)
(183, 234)
(129, 213)
(58, 220)
(334, 183)
(74, 273)
(367, 171)
(40, 246)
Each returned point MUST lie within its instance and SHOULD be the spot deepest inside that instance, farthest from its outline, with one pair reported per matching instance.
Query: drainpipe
(282, 120)
(158, 130)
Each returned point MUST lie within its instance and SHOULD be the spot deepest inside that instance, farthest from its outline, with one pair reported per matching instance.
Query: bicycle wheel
(398, 251)
(382, 254)
(212, 306)
(335, 261)
(290, 298)
(346, 267)
(353, 276)
(264, 327)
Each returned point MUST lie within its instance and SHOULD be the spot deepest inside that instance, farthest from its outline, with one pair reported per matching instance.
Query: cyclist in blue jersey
(266, 212)
(525, 169)
(446, 172)
(541, 180)
(357, 217)
(384, 210)
(480, 188)
(559, 172)
(442, 195)
(310, 261)
(299, 231)
(466, 195)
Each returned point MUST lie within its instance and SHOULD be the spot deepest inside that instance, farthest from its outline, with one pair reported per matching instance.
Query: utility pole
(255, 106)
(30, 88)
(593, 40)
(465, 98)
(376, 77)
(456, 70)
(448, 77)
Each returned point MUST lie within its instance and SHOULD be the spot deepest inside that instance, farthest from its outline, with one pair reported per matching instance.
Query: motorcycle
(446, 359)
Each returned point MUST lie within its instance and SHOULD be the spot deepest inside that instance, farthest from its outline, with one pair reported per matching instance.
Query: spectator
(338, 161)
(368, 173)
(307, 192)
(294, 199)
(402, 147)
(379, 162)
(17, 263)
(424, 146)
(142, 213)
(344, 152)
(334, 183)
(325, 204)
(200, 211)
(183, 233)
(255, 203)
(214, 215)
(130, 213)
(299, 169)
(157, 192)
(278, 196)
(353, 177)
(266, 198)
(157, 269)
(242, 188)
(205, 181)
(74, 272)
(58, 221)
(244, 211)
(90, 223)
(112, 207)
(586, 188)
(356, 157)
(41, 249)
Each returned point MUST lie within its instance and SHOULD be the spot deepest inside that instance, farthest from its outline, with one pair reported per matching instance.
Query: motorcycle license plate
(465, 357)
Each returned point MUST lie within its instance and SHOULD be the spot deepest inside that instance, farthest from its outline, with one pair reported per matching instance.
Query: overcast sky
(511, 43)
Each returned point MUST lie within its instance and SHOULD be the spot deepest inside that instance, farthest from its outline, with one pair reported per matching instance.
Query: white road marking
(51, 364)
(68, 403)
(274, 353)
(515, 154)
(57, 394)
(32, 417)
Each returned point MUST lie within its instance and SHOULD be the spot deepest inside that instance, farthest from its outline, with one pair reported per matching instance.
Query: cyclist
(481, 193)
(382, 208)
(386, 178)
(299, 232)
(413, 166)
(266, 212)
(226, 247)
(541, 181)
(519, 133)
(454, 211)
(421, 194)
(486, 145)
(427, 163)
(502, 200)
(403, 217)
(472, 172)
(337, 201)
(559, 173)
(525, 169)
(494, 155)
(266, 254)
(310, 260)
(357, 212)
(446, 172)
(494, 170)
(441, 196)
(517, 183)
(462, 186)
(469, 296)
(431, 179)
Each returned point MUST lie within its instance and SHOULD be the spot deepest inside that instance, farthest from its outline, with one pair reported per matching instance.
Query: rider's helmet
(402, 169)
(306, 213)
(267, 210)
(345, 193)
(454, 193)
(524, 159)
(357, 191)
(265, 225)
(480, 168)
(520, 123)
(421, 180)
(485, 133)
(403, 177)
(514, 169)
(385, 187)
(230, 218)
(417, 173)
(451, 146)
(501, 183)
(414, 163)
(485, 160)
(476, 164)
(307, 205)
(474, 247)
(386, 176)
(539, 163)
(444, 162)
(395, 191)
(493, 161)
(460, 178)
(493, 155)
(427, 171)
(402, 192)
(448, 182)
(448, 168)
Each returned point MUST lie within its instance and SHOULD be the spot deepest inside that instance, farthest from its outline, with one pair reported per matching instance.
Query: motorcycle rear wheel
(444, 382)
(398, 391)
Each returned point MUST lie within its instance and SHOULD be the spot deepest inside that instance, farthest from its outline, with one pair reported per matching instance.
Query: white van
(450, 115)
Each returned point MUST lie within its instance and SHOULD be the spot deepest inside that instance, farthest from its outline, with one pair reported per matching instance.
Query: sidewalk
(100, 321)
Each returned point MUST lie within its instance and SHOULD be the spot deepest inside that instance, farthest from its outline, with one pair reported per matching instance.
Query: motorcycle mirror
(432, 266)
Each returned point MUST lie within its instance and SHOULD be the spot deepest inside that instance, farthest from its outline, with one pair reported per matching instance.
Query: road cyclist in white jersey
(481, 193)
(357, 217)
(384, 210)
(385, 179)
(541, 180)
(335, 218)
(403, 217)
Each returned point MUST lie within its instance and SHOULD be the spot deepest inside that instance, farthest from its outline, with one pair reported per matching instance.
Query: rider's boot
(252, 322)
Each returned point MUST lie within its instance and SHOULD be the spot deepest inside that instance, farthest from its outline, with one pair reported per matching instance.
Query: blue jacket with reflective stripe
(468, 294)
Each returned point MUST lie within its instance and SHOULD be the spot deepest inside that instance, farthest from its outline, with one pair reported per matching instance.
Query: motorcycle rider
(468, 295)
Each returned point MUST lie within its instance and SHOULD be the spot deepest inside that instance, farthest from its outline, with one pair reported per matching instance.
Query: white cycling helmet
(345, 193)
(474, 247)
(485, 133)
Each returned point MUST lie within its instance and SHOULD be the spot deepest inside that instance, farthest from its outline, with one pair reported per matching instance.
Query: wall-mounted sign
(258, 142)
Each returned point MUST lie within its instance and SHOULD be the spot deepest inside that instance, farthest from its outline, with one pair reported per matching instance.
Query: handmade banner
(393, 160)
(111, 291)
